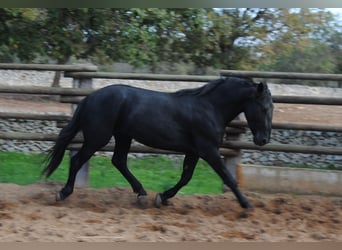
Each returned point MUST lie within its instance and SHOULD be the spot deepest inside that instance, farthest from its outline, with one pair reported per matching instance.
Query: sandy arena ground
(30, 214)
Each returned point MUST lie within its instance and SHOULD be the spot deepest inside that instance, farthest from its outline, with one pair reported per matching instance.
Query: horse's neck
(230, 101)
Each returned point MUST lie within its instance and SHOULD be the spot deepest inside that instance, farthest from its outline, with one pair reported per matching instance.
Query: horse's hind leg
(92, 142)
(189, 165)
(76, 162)
(119, 160)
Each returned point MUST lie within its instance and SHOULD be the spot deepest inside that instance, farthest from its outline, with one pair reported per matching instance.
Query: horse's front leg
(212, 156)
(189, 165)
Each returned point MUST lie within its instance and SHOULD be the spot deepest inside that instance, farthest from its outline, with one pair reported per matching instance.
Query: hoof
(248, 206)
(225, 188)
(59, 196)
(142, 201)
(158, 201)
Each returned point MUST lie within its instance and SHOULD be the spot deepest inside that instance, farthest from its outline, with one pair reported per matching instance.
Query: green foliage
(334, 41)
(305, 59)
(245, 38)
(18, 34)
(303, 44)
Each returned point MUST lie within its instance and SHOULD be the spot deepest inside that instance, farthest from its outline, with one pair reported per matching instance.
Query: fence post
(232, 162)
(82, 177)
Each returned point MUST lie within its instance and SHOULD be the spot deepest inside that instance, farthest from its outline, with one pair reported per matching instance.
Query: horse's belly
(161, 142)
(167, 139)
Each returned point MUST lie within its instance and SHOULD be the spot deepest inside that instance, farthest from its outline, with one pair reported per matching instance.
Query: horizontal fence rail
(293, 126)
(68, 93)
(33, 116)
(135, 76)
(287, 148)
(48, 67)
(35, 90)
(307, 100)
(135, 148)
(225, 145)
(282, 75)
(276, 99)
(231, 125)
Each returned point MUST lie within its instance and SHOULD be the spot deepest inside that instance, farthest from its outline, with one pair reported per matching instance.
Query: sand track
(30, 214)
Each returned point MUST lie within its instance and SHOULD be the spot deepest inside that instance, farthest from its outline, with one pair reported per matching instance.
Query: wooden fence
(82, 86)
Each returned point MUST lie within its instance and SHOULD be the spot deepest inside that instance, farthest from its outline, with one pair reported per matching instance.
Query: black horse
(191, 121)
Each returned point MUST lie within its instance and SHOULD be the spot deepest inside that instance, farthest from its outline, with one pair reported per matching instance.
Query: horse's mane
(211, 86)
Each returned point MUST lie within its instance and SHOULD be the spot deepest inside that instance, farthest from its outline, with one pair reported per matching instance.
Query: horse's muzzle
(261, 141)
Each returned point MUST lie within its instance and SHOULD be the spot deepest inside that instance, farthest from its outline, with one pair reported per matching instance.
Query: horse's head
(258, 112)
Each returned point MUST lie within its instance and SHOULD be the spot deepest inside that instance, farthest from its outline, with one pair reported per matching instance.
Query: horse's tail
(56, 153)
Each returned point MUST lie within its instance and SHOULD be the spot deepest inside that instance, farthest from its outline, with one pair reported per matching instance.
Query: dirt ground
(30, 214)
(10, 103)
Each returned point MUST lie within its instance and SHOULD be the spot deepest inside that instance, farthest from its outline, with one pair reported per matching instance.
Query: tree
(18, 36)
(232, 33)
(299, 33)
(316, 58)
(219, 38)
(151, 36)
(334, 41)
(71, 32)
